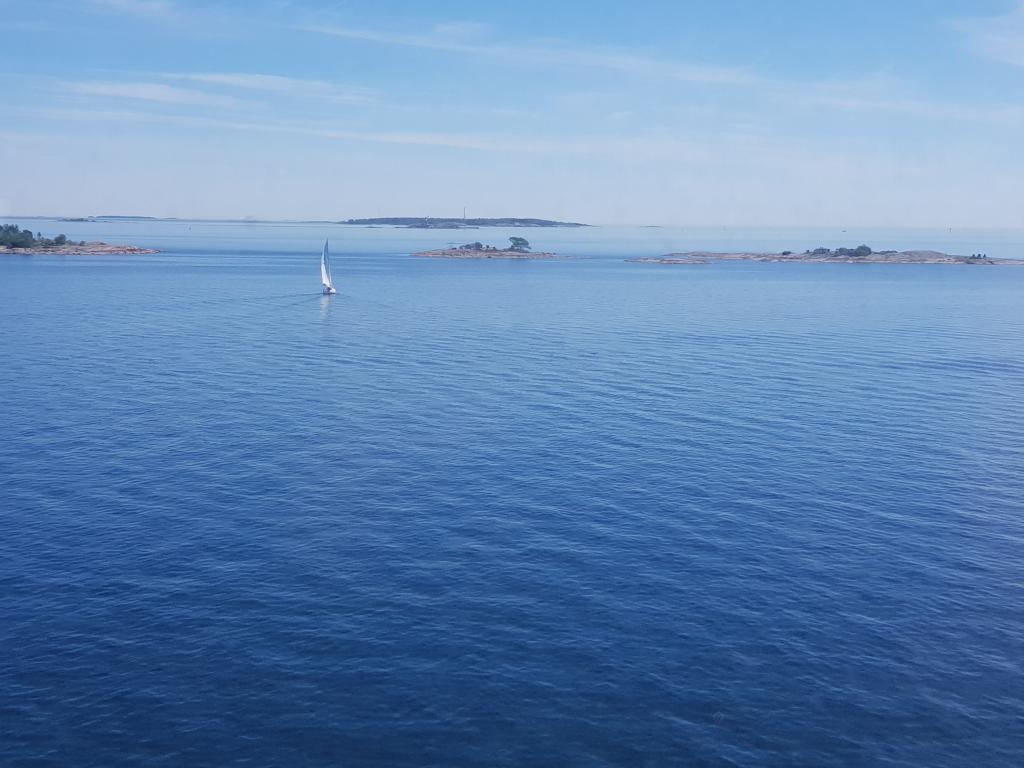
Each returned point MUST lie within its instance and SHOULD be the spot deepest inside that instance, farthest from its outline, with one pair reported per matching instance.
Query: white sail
(325, 270)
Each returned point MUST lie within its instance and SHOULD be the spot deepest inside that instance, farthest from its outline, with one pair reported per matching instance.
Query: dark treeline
(12, 236)
(860, 250)
(517, 244)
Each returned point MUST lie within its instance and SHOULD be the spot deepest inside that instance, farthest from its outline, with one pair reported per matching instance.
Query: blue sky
(700, 112)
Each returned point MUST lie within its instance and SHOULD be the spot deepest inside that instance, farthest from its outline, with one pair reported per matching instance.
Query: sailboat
(325, 271)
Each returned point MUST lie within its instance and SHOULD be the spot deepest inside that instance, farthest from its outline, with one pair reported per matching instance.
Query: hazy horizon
(341, 221)
(685, 114)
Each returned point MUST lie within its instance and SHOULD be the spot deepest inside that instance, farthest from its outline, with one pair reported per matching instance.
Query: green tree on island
(860, 250)
(13, 237)
(519, 244)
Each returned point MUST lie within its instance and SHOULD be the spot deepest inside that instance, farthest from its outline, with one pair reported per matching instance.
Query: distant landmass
(127, 218)
(93, 219)
(427, 222)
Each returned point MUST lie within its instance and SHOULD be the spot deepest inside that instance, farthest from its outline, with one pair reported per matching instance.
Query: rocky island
(519, 248)
(16, 241)
(81, 248)
(862, 254)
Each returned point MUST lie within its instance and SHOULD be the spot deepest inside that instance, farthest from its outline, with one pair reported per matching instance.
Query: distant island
(519, 248)
(14, 240)
(862, 254)
(427, 222)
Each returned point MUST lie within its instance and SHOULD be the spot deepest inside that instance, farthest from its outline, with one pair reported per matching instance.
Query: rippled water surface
(574, 513)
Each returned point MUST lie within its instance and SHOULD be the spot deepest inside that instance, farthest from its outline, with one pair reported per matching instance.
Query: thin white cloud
(601, 145)
(277, 84)
(461, 30)
(997, 38)
(1004, 35)
(151, 92)
(550, 55)
(883, 94)
(996, 113)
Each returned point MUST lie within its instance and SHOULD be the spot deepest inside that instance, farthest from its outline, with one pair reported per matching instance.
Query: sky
(671, 112)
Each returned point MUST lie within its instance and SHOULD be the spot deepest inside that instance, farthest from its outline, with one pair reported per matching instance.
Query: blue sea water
(484, 513)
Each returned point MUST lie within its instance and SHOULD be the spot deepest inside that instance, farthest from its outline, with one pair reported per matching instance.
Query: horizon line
(565, 224)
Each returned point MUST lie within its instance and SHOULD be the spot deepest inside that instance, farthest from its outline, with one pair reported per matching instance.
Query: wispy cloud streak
(550, 55)
(153, 9)
(485, 142)
(151, 92)
(998, 38)
(277, 84)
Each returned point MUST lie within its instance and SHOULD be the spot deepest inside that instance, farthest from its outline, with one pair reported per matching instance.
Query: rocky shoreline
(880, 257)
(88, 249)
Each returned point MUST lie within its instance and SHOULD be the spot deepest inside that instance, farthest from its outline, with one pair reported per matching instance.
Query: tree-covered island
(14, 239)
(518, 248)
(12, 236)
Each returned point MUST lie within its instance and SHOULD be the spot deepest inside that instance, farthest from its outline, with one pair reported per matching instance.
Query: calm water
(581, 513)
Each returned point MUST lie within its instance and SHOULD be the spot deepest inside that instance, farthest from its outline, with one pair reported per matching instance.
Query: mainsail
(325, 270)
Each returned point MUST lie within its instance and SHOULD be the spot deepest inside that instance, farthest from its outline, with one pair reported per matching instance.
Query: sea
(580, 512)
